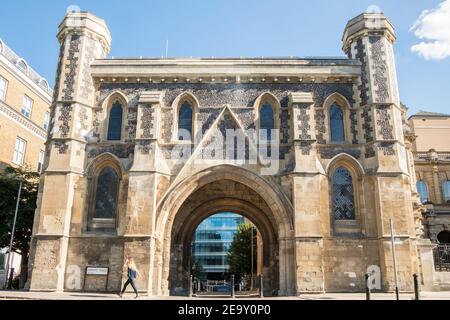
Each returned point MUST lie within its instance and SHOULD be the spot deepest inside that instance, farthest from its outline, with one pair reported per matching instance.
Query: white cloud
(433, 26)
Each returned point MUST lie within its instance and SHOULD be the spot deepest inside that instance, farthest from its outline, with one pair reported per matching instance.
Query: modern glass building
(212, 240)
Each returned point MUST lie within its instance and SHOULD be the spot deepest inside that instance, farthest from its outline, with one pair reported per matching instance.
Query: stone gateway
(139, 154)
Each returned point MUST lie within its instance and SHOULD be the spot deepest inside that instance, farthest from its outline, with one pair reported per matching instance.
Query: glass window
(46, 120)
(343, 196)
(22, 66)
(19, 151)
(41, 161)
(3, 87)
(266, 121)
(27, 106)
(446, 191)
(115, 122)
(422, 189)
(337, 124)
(185, 122)
(106, 194)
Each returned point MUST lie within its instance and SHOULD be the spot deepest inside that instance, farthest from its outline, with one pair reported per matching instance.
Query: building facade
(138, 156)
(432, 162)
(25, 99)
(212, 242)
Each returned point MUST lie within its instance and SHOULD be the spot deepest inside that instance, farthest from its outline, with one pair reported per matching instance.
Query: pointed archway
(224, 188)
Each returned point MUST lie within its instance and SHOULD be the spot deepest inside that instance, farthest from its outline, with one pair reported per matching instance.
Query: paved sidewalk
(25, 295)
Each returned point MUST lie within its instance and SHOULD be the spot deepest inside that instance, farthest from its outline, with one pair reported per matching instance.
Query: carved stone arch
(344, 104)
(176, 105)
(357, 173)
(107, 104)
(280, 212)
(347, 161)
(93, 170)
(103, 160)
(274, 103)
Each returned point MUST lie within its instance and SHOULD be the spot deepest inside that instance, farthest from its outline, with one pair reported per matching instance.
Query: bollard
(261, 288)
(232, 286)
(11, 278)
(416, 286)
(367, 277)
(190, 286)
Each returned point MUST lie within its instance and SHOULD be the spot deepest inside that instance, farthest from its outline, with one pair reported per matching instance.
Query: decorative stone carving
(320, 126)
(147, 125)
(72, 67)
(384, 122)
(364, 87)
(62, 146)
(378, 57)
(331, 152)
(121, 151)
(387, 148)
(370, 152)
(303, 120)
(367, 124)
(65, 117)
(145, 146)
(353, 126)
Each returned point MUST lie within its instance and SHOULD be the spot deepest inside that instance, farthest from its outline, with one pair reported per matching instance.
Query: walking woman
(133, 273)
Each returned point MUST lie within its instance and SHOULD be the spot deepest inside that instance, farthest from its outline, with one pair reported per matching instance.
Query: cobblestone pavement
(25, 295)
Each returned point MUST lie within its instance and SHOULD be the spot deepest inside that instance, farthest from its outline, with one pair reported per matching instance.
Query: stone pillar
(83, 38)
(306, 180)
(370, 38)
(139, 227)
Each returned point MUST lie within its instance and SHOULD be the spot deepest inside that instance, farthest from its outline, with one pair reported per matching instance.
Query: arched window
(22, 65)
(343, 195)
(185, 122)
(444, 237)
(115, 122)
(337, 133)
(266, 121)
(446, 189)
(422, 188)
(106, 194)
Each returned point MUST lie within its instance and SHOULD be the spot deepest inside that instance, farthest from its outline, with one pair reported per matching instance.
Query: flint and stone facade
(160, 202)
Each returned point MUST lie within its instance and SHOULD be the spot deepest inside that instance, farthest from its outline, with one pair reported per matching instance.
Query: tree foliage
(240, 251)
(9, 185)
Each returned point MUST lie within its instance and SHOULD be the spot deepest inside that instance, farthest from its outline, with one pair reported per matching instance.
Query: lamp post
(8, 263)
(394, 258)
(251, 252)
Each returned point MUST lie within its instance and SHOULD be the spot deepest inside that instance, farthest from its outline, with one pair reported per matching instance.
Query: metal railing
(442, 258)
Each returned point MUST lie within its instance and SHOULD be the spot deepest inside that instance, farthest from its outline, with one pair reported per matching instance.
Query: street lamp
(8, 263)
(394, 258)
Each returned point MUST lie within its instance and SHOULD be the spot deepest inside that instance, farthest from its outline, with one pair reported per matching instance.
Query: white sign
(97, 271)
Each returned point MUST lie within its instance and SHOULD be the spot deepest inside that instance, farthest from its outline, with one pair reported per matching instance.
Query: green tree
(240, 251)
(196, 269)
(9, 185)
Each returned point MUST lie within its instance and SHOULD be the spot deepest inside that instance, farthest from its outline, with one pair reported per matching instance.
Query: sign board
(97, 271)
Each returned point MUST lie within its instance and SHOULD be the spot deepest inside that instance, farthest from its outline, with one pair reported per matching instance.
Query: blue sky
(234, 28)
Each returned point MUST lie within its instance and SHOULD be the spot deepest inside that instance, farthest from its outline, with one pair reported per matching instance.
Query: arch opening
(224, 195)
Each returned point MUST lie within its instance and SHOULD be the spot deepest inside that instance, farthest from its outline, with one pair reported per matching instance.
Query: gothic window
(185, 122)
(343, 195)
(446, 189)
(266, 121)
(422, 188)
(337, 134)
(444, 237)
(115, 122)
(106, 194)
